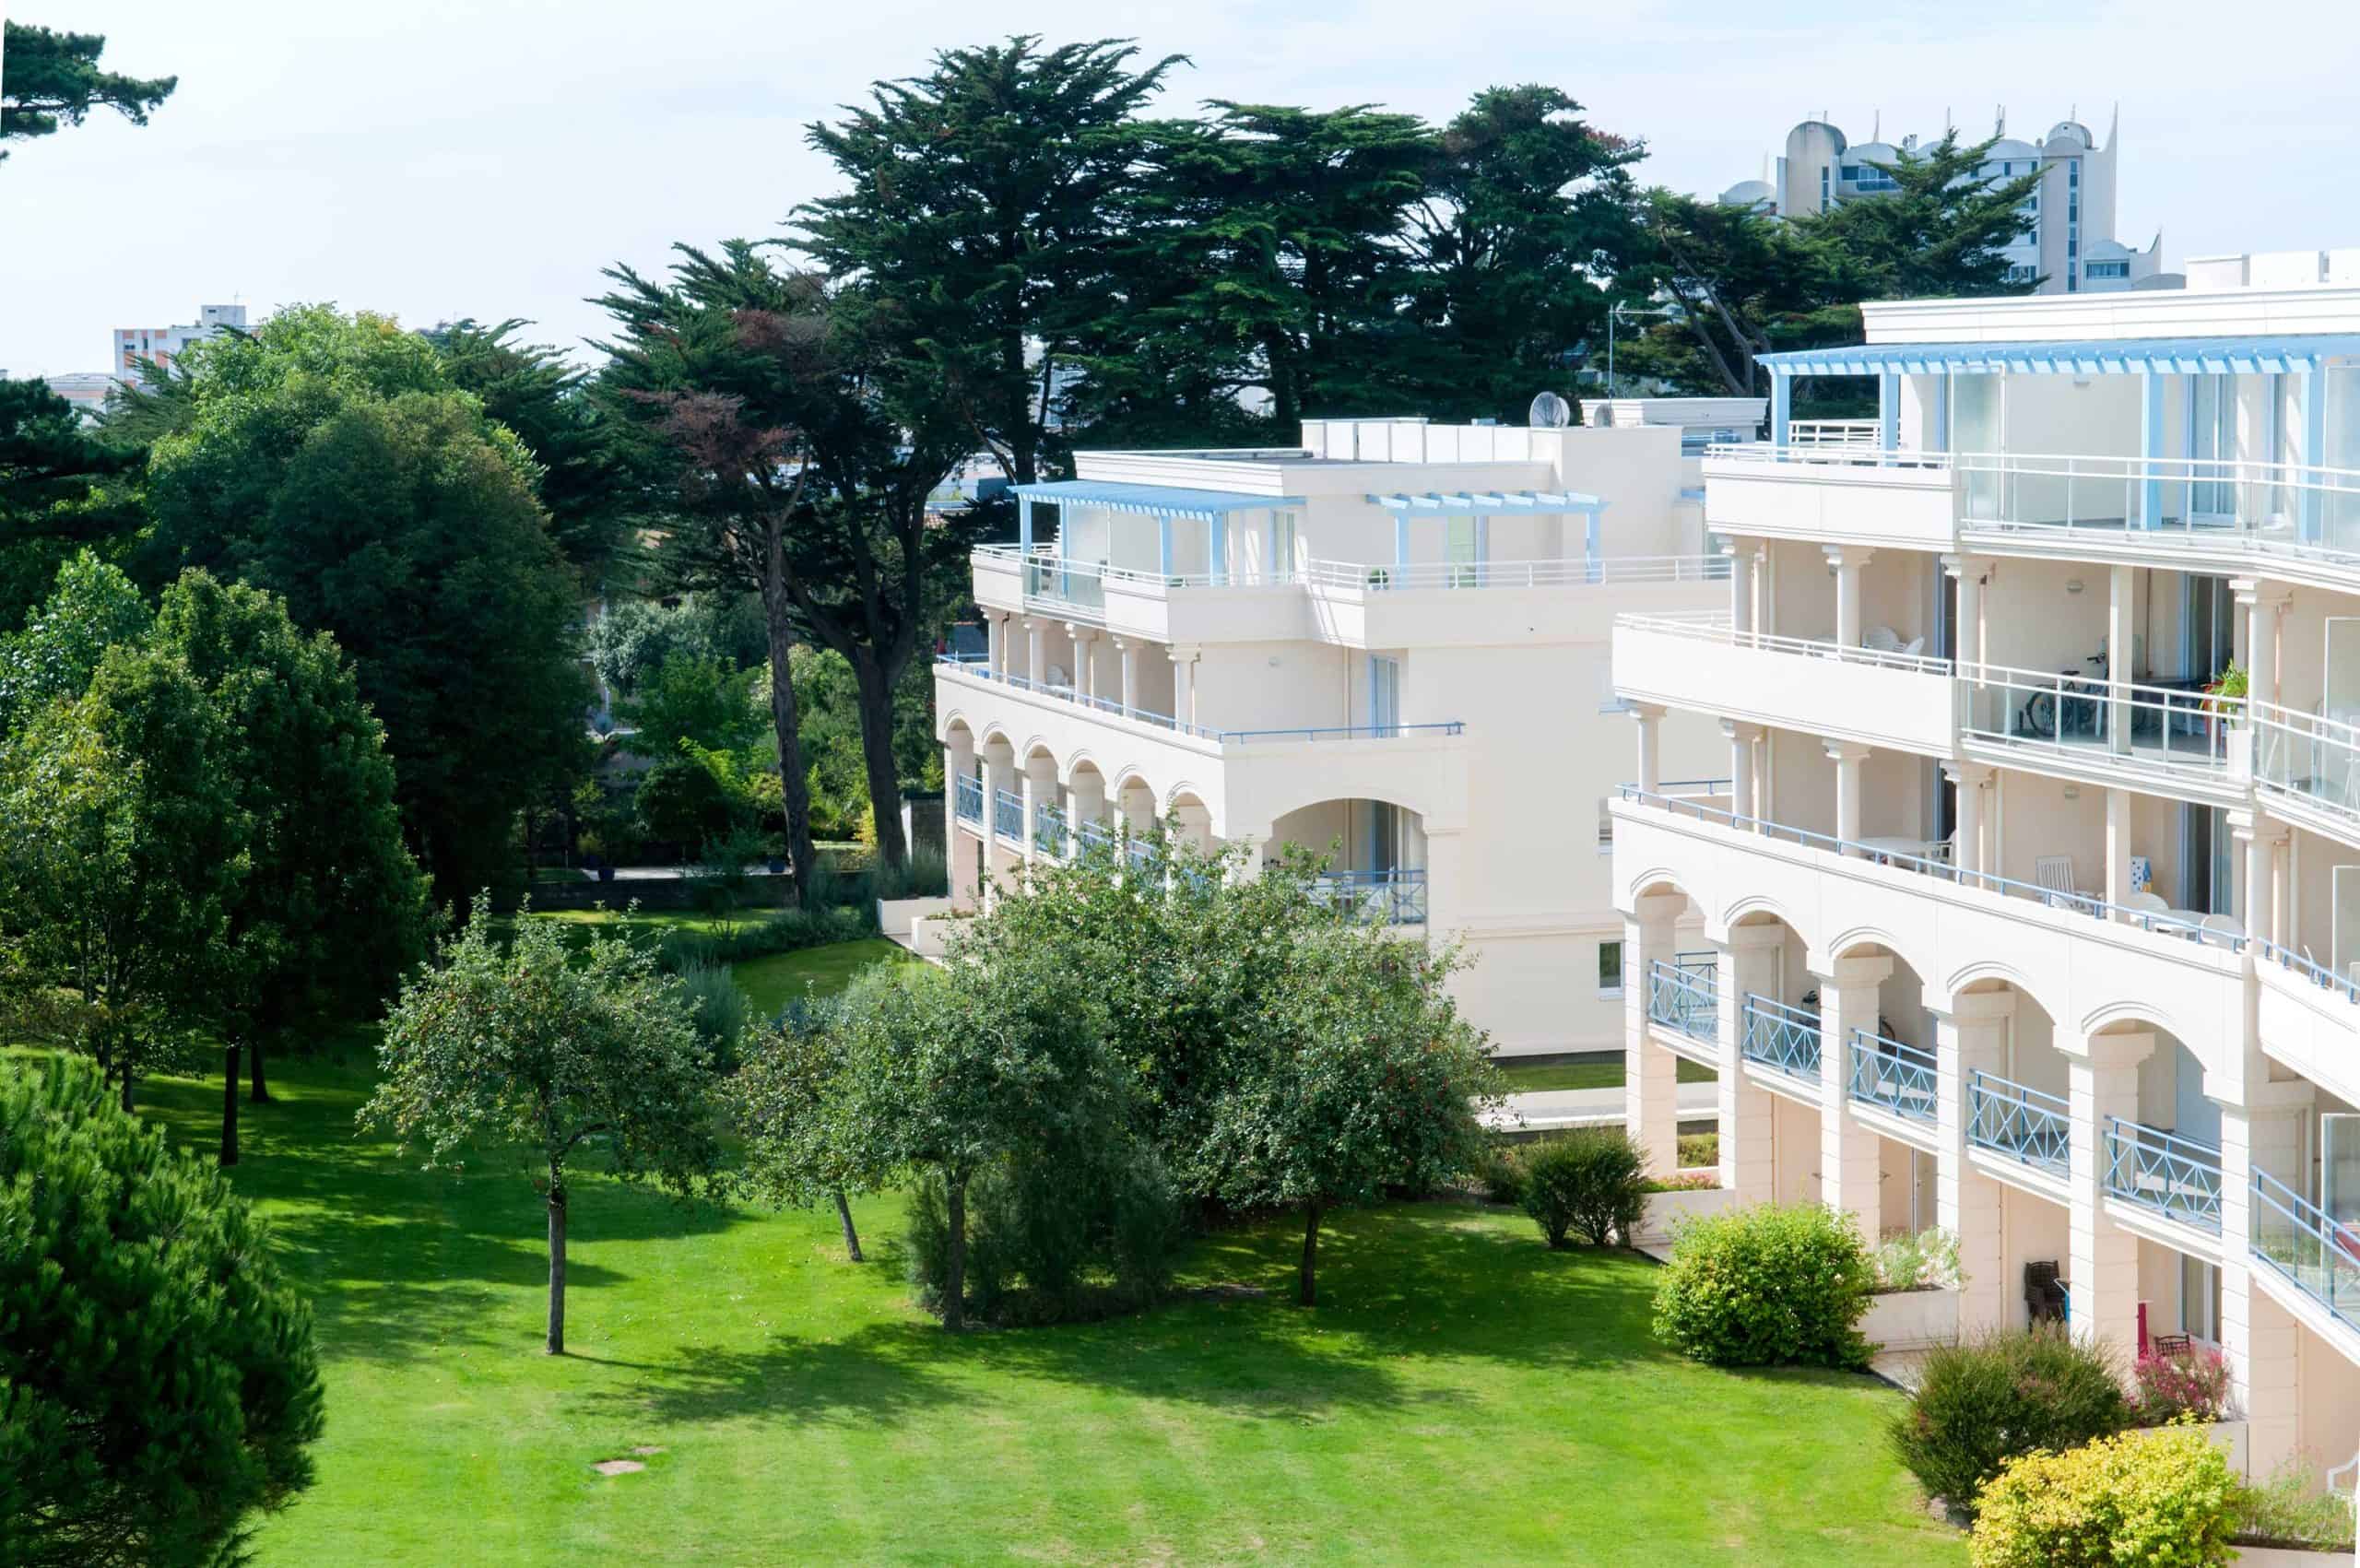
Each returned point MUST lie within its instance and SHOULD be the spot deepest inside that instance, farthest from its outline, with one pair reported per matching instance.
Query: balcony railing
(2347, 985)
(1783, 1038)
(1714, 627)
(1845, 433)
(1832, 454)
(967, 798)
(1008, 815)
(1548, 573)
(1683, 995)
(1376, 898)
(2294, 1238)
(2180, 728)
(2305, 756)
(1897, 1077)
(1937, 865)
(2277, 507)
(2177, 1177)
(971, 670)
(2026, 1124)
(1049, 828)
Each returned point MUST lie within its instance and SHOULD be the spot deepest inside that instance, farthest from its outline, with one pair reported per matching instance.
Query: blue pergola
(1162, 503)
(1483, 505)
(2151, 359)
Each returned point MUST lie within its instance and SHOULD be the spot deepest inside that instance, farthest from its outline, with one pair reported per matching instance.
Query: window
(2019, 272)
(2108, 269)
(1610, 969)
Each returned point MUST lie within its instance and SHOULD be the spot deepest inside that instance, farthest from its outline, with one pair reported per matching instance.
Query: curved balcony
(2091, 728)
(1895, 699)
(1376, 898)
(1839, 491)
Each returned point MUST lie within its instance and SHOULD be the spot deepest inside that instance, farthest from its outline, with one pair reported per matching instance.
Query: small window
(1610, 969)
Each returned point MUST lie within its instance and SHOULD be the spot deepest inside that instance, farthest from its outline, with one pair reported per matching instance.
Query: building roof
(2127, 356)
(1170, 501)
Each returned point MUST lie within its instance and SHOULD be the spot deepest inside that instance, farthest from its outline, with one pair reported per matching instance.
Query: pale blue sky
(439, 158)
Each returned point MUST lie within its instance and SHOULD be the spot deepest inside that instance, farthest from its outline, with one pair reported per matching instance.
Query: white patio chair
(2145, 903)
(1881, 640)
(2219, 925)
(2055, 873)
(1913, 647)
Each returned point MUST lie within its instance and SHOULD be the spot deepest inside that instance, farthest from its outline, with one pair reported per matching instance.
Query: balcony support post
(1217, 537)
(1970, 784)
(1971, 1037)
(1849, 1180)
(2117, 849)
(1848, 560)
(1024, 531)
(2263, 604)
(1085, 672)
(1035, 671)
(1782, 407)
(2257, 1336)
(2103, 1266)
(2314, 453)
(1749, 1113)
(1888, 419)
(1741, 737)
(2121, 648)
(1650, 1073)
(1129, 649)
(1740, 553)
(1847, 756)
(1184, 685)
(958, 762)
(996, 643)
(2151, 451)
(1650, 720)
(2259, 839)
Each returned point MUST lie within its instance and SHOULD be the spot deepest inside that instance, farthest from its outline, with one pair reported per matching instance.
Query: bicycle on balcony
(2074, 707)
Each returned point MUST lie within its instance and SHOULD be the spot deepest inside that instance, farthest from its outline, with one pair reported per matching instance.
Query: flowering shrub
(1925, 1262)
(2193, 1383)
(2166, 1499)
(1999, 1395)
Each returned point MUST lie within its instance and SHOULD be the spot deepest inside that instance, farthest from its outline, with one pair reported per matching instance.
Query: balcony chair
(2165, 1346)
(2218, 926)
(2055, 873)
(2145, 903)
(2044, 1293)
(1881, 640)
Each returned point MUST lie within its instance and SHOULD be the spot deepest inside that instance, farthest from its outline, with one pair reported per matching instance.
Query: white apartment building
(1390, 644)
(162, 345)
(2004, 916)
(2068, 239)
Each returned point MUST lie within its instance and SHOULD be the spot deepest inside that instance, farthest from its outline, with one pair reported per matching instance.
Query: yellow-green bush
(2166, 1500)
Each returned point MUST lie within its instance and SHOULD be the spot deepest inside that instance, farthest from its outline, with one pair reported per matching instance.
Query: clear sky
(443, 158)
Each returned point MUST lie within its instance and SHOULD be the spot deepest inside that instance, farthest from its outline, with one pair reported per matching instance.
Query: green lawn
(1526, 1077)
(1462, 1395)
(771, 982)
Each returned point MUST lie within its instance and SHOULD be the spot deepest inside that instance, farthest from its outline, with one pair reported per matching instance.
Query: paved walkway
(1550, 1108)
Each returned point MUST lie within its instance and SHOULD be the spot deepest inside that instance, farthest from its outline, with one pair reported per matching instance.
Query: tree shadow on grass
(882, 1374)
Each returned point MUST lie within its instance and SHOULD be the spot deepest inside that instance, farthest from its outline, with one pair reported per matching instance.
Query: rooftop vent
(1549, 412)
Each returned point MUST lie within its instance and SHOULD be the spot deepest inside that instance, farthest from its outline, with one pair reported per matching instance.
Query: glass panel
(1383, 692)
(1282, 546)
(2215, 440)
(1975, 428)
(1459, 551)
(2340, 1166)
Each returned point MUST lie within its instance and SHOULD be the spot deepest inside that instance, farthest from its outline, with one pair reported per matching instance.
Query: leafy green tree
(1936, 235)
(593, 497)
(327, 459)
(555, 1058)
(684, 801)
(93, 606)
(977, 234)
(123, 848)
(62, 489)
(701, 699)
(631, 638)
(789, 1101)
(332, 907)
(52, 79)
(158, 1386)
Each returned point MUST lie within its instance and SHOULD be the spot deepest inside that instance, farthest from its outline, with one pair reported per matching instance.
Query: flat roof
(2116, 356)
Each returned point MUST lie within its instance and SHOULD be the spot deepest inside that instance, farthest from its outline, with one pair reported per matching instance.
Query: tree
(978, 233)
(332, 907)
(558, 1060)
(1936, 235)
(789, 1101)
(1359, 1075)
(52, 79)
(158, 1385)
(327, 459)
(92, 607)
(593, 498)
(122, 850)
(702, 699)
(62, 488)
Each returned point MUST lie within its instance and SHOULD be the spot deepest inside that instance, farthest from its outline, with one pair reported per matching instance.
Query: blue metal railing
(2177, 1177)
(1379, 898)
(1683, 994)
(1092, 835)
(2026, 1124)
(1008, 815)
(1048, 828)
(967, 797)
(2309, 969)
(1897, 1077)
(2294, 1237)
(1782, 1037)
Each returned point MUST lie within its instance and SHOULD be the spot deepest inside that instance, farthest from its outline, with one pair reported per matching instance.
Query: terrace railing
(2026, 1124)
(1832, 453)
(2177, 1177)
(1822, 433)
(2305, 756)
(2180, 728)
(967, 797)
(2294, 1238)
(1049, 831)
(1714, 627)
(2346, 985)
(2276, 507)
(1554, 573)
(1376, 898)
(1008, 815)
(1894, 1076)
(973, 671)
(1782, 1037)
(1683, 995)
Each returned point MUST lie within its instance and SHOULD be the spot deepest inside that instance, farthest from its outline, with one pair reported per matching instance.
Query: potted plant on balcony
(2225, 697)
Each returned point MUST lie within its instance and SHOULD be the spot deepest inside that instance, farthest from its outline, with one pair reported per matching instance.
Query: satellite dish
(1549, 412)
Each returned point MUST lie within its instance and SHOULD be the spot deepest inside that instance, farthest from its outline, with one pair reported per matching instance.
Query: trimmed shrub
(1983, 1403)
(1588, 1183)
(2193, 1383)
(1500, 1174)
(2167, 1500)
(1765, 1286)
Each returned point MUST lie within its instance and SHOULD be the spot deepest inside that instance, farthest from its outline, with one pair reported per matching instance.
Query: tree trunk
(230, 1104)
(954, 1286)
(794, 786)
(260, 1094)
(1308, 1292)
(875, 690)
(556, 1345)
(127, 1089)
(851, 1237)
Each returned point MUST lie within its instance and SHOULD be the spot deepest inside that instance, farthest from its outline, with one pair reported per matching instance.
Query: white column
(1741, 737)
(1184, 685)
(2263, 604)
(2259, 840)
(2121, 644)
(1749, 1156)
(995, 641)
(2104, 1266)
(1740, 553)
(1649, 719)
(1129, 649)
(2257, 1336)
(1033, 793)
(1446, 862)
(1650, 1073)
(1848, 560)
(1850, 1179)
(1972, 1037)
(1847, 756)
(1085, 675)
(1034, 670)
(1970, 785)
(2117, 845)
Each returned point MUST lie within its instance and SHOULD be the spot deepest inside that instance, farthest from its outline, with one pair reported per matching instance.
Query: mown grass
(1526, 1077)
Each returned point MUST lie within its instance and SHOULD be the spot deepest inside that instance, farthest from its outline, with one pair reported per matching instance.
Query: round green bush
(1766, 1286)
(1982, 1403)
(1590, 1183)
(2166, 1499)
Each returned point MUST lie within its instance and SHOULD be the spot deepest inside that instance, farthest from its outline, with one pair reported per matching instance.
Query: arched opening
(1770, 1121)
(1375, 853)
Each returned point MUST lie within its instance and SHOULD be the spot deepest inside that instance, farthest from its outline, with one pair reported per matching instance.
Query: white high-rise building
(2068, 236)
(162, 345)
(2029, 902)
(1391, 641)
